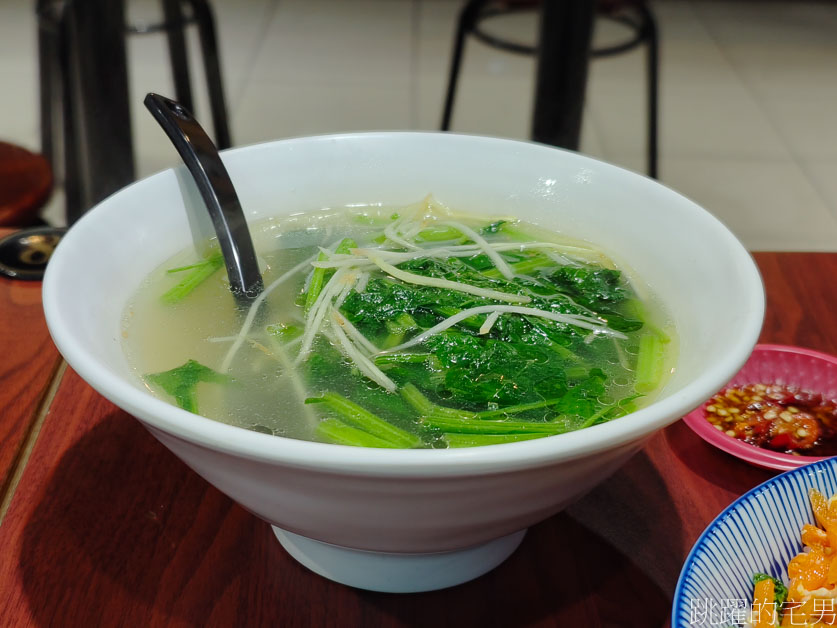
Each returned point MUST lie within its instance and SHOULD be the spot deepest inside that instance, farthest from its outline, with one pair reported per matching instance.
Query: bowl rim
(159, 415)
(813, 468)
(753, 454)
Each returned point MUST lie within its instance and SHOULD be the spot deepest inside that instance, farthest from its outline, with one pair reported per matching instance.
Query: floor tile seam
(754, 94)
(238, 96)
(413, 114)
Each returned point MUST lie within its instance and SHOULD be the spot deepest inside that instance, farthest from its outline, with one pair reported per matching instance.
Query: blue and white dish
(759, 532)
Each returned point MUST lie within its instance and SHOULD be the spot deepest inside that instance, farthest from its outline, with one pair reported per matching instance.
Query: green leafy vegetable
(182, 381)
(591, 287)
(398, 357)
(522, 361)
(285, 333)
(481, 370)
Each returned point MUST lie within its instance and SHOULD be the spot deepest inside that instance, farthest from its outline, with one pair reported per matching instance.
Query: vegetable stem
(596, 416)
(362, 419)
(477, 440)
(315, 286)
(403, 358)
(523, 267)
(523, 407)
(471, 426)
(649, 363)
(618, 409)
(200, 273)
(474, 322)
(345, 247)
(338, 432)
(398, 328)
(635, 309)
(439, 234)
(319, 274)
(425, 407)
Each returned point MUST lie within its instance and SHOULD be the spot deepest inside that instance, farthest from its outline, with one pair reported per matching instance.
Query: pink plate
(772, 364)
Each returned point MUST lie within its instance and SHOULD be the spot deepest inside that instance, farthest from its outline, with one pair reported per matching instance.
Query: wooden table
(102, 526)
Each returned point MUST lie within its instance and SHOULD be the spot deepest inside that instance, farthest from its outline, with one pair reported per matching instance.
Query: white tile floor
(748, 114)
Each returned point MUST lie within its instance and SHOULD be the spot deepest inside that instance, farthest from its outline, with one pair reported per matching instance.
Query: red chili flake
(781, 418)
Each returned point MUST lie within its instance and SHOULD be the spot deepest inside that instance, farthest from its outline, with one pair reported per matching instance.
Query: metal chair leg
(59, 125)
(467, 20)
(653, 59)
(175, 34)
(546, 127)
(565, 33)
(48, 76)
(101, 98)
(74, 197)
(209, 48)
(72, 45)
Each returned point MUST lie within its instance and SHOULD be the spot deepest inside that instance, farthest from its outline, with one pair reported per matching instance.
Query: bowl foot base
(397, 573)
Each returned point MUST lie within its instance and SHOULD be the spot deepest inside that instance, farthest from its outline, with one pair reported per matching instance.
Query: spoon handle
(201, 158)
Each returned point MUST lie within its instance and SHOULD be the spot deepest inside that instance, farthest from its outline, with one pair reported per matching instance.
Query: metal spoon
(217, 191)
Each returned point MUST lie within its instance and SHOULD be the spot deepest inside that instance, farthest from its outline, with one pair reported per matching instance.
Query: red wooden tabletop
(28, 365)
(105, 527)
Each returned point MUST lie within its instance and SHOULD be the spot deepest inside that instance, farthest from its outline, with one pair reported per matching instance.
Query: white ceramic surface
(414, 501)
(398, 573)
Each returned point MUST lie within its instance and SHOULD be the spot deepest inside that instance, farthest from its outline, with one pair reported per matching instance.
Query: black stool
(61, 102)
(632, 13)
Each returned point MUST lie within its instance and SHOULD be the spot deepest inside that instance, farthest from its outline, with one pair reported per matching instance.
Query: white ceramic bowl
(417, 519)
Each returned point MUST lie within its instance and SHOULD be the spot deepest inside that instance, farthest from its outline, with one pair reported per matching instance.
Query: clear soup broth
(406, 327)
